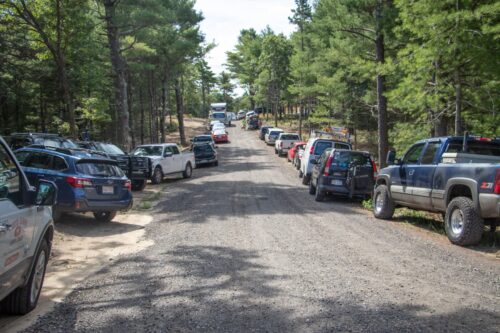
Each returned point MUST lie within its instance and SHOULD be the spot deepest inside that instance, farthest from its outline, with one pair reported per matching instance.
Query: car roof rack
(337, 133)
(34, 133)
(69, 151)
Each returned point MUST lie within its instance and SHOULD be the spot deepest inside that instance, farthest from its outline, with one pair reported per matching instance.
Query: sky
(225, 18)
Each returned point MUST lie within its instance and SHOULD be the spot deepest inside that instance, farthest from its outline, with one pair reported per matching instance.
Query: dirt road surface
(243, 247)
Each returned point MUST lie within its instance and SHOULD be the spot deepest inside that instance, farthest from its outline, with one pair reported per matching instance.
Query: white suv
(26, 231)
(314, 148)
(272, 135)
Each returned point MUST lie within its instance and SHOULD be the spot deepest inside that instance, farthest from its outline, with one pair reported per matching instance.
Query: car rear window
(344, 158)
(110, 148)
(202, 139)
(218, 115)
(320, 147)
(99, 169)
(203, 149)
(476, 147)
(290, 137)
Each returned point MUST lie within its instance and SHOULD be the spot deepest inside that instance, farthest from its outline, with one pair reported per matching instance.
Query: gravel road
(243, 247)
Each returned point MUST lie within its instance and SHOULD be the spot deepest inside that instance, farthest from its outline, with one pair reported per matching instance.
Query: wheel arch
(461, 187)
(48, 236)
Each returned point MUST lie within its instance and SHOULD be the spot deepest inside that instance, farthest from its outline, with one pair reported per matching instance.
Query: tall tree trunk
(119, 75)
(164, 107)
(130, 103)
(180, 110)
(458, 103)
(141, 101)
(383, 143)
(153, 109)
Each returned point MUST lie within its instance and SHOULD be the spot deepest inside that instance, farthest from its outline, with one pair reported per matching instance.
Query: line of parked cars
(458, 177)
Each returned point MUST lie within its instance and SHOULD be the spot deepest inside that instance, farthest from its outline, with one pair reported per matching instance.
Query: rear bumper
(342, 190)
(82, 206)
(489, 205)
(206, 161)
(219, 140)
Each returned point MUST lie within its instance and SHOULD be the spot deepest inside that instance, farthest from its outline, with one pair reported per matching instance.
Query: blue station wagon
(86, 182)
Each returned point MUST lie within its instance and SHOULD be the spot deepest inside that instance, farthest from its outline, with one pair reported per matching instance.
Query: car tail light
(327, 166)
(128, 184)
(311, 151)
(76, 182)
(496, 188)
(374, 166)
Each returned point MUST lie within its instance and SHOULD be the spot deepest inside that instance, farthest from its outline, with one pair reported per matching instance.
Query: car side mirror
(391, 157)
(46, 193)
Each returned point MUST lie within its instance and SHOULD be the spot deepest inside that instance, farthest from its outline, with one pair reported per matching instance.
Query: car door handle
(411, 172)
(5, 227)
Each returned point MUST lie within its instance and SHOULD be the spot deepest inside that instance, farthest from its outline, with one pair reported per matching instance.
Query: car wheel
(319, 195)
(188, 171)
(312, 188)
(157, 176)
(275, 151)
(216, 163)
(138, 184)
(383, 206)
(462, 223)
(23, 300)
(306, 179)
(104, 216)
(301, 174)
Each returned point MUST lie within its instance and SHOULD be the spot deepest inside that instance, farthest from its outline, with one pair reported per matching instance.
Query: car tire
(104, 216)
(297, 164)
(24, 299)
(301, 174)
(216, 163)
(462, 223)
(306, 179)
(319, 195)
(157, 176)
(276, 151)
(312, 188)
(383, 206)
(188, 171)
(138, 184)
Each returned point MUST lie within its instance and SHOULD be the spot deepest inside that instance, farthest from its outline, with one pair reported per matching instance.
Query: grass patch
(144, 205)
(419, 218)
(367, 204)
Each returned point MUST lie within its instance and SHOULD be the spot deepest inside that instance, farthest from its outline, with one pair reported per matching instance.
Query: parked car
(166, 159)
(136, 168)
(26, 232)
(250, 114)
(263, 131)
(314, 148)
(284, 142)
(456, 176)
(342, 172)
(203, 139)
(86, 182)
(298, 156)
(20, 140)
(241, 114)
(205, 154)
(252, 123)
(212, 123)
(218, 126)
(292, 152)
(272, 134)
(220, 135)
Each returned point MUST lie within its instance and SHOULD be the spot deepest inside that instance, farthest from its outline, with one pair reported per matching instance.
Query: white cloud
(225, 18)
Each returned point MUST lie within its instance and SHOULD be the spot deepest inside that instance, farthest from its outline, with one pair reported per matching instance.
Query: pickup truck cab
(26, 232)
(166, 159)
(284, 142)
(451, 175)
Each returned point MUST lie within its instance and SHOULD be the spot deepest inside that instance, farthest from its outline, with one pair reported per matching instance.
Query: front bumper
(489, 206)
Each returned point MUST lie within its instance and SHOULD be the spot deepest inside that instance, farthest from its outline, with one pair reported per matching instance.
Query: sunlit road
(244, 247)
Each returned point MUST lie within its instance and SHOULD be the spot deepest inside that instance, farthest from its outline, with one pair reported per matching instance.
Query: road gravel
(243, 247)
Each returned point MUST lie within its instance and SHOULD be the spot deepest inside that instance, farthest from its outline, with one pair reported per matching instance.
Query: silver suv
(26, 230)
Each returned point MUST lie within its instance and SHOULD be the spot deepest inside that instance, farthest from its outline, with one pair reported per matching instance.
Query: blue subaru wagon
(86, 182)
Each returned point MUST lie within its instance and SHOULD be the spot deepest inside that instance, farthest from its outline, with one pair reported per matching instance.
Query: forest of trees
(403, 69)
(128, 70)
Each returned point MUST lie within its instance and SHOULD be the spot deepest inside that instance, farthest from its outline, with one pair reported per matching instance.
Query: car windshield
(148, 151)
(345, 158)
(202, 139)
(99, 169)
(109, 148)
(218, 115)
(289, 137)
(203, 149)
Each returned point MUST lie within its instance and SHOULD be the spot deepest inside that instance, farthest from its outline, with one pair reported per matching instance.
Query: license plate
(108, 190)
(337, 182)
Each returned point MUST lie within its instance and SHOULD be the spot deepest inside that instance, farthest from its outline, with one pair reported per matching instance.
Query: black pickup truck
(456, 176)
(137, 168)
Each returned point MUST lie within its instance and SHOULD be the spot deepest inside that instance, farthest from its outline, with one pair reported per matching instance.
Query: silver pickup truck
(166, 159)
(26, 231)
